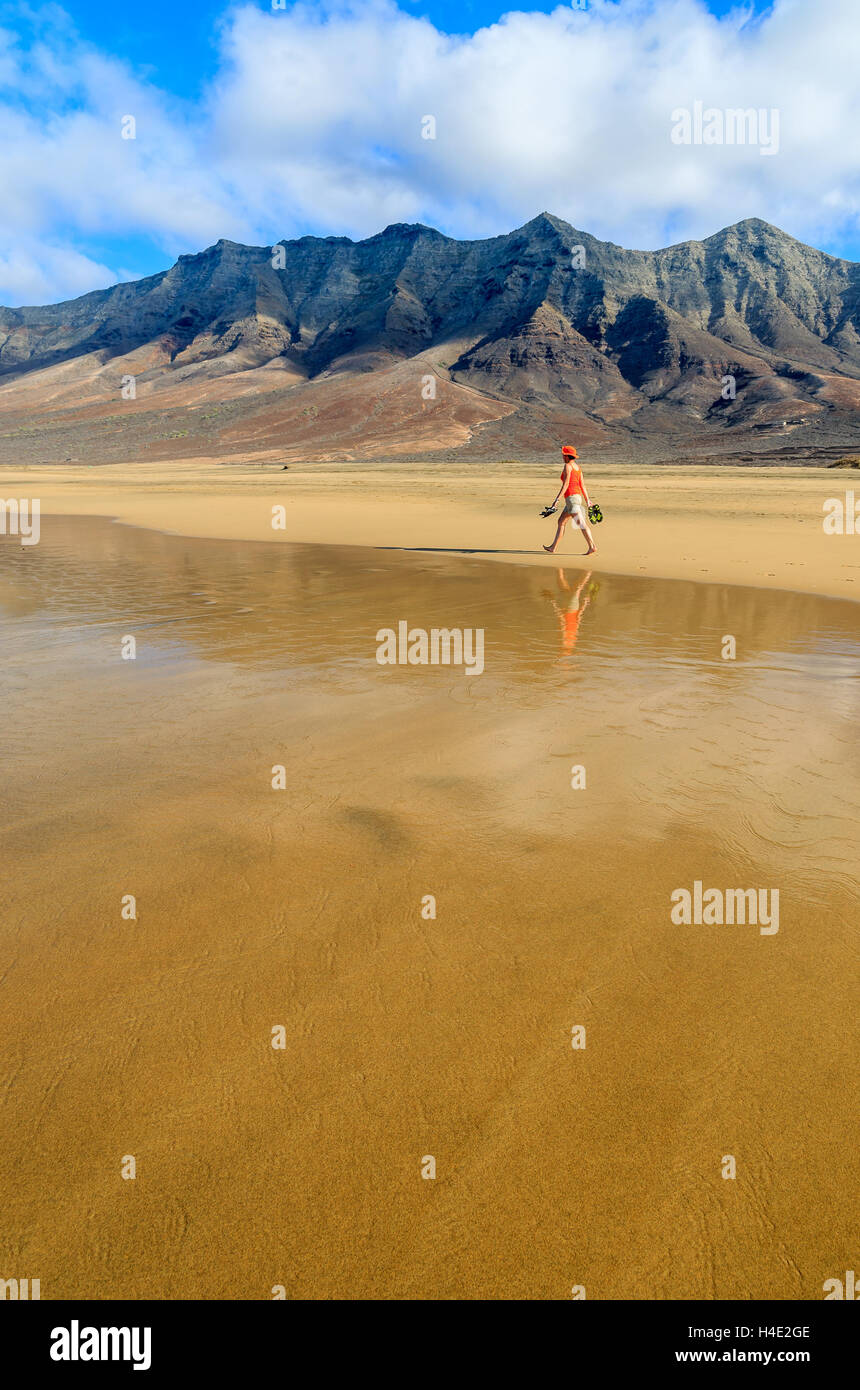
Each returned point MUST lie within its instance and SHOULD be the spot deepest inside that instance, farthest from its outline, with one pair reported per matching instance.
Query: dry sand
(751, 526)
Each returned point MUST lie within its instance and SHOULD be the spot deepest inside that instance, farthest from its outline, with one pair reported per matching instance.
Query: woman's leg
(562, 522)
(586, 531)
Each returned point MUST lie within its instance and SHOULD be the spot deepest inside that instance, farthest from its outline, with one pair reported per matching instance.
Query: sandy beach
(409, 1036)
(749, 526)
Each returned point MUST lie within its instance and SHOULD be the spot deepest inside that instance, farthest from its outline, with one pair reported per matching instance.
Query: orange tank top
(575, 484)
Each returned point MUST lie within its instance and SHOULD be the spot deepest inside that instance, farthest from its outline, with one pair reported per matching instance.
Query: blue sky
(257, 123)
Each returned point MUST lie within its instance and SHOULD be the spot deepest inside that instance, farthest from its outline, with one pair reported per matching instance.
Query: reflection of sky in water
(630, 669)
(276, 605)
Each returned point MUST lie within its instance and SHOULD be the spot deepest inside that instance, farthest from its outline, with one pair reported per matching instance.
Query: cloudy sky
(256, 123)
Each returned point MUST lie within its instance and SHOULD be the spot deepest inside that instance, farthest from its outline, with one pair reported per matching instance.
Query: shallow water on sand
(409, 1035)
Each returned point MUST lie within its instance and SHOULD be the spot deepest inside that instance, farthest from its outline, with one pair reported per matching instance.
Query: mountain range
(412, 342)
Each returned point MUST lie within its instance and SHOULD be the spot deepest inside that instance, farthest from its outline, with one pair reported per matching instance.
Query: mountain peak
(546, 221)
(218, 249)
(401, 231)
(758, 224)
(755, 232)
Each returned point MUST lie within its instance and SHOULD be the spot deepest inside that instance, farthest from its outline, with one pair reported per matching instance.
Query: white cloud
(314, 121)
(42, 273)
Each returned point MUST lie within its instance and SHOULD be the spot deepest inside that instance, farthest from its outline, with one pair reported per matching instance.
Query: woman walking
(575, 501)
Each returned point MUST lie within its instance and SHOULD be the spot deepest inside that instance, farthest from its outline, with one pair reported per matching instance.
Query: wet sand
(760, 527)
(408, 1036)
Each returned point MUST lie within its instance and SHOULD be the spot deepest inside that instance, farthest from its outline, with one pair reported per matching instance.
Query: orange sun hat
(569, 451)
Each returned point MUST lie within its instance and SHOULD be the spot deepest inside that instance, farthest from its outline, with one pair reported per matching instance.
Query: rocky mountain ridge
(413, 341)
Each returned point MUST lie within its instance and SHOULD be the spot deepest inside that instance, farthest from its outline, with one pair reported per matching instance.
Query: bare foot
(549, 550)
(592, 551)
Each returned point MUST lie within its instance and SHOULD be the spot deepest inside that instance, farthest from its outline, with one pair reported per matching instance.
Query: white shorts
(575, 507)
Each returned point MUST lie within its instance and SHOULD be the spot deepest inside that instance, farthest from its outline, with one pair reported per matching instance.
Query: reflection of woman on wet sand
(569, 617)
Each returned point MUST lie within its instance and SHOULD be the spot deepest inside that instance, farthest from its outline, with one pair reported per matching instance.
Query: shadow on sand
(455, 550)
